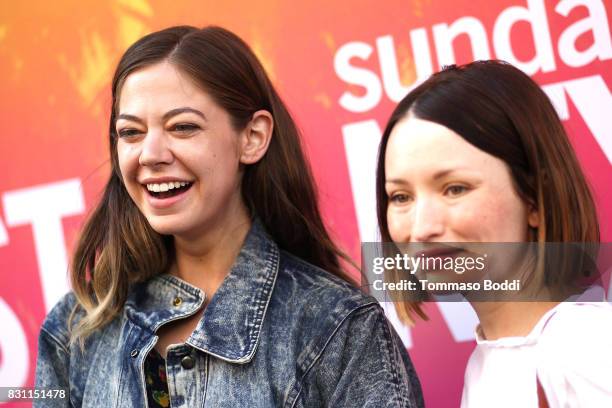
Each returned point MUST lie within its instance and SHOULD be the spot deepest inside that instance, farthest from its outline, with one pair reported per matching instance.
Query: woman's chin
(166, 226)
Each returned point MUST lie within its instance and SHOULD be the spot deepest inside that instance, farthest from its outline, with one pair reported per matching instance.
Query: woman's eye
(399, 198)
(456, 190)
(184, 127)
(128, 132)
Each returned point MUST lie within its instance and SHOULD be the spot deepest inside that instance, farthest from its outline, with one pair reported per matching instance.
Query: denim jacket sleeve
(51, 369)
(364, 364)
(53, 362)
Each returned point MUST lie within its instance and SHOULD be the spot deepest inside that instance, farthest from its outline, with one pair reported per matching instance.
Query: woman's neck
(509, 319)
(205, 261)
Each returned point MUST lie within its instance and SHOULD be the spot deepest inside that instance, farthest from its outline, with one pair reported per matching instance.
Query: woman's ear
(256, 137)
(533, 216)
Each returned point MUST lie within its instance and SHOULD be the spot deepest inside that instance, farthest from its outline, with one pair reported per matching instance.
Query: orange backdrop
(340, 67)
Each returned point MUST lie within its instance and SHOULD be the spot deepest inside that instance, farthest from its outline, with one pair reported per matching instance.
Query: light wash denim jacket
(279, 332)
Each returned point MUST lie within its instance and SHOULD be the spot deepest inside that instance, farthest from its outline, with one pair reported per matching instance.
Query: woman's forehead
(421, 139)
(160, 86)
(423, 148)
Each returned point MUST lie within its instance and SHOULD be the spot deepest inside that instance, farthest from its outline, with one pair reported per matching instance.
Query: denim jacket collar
(231, 324)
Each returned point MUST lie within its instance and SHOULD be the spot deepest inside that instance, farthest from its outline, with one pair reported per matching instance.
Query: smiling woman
(205, 276)
(194, 144)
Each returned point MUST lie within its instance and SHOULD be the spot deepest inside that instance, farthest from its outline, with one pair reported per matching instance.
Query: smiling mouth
(167, 190)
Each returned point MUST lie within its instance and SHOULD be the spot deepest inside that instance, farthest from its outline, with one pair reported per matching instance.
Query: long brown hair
(503, 112)
(118, 247)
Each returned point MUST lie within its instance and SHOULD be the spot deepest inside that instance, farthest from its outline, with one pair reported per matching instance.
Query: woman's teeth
(162, 187)
(167, 190)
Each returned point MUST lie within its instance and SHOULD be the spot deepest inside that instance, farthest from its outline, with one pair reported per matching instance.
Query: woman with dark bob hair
(205, 276)
(477, 154)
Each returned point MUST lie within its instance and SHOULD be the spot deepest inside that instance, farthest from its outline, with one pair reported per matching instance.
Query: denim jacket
(279, 332)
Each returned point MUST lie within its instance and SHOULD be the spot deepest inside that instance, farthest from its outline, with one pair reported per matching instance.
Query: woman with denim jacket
(205, 276)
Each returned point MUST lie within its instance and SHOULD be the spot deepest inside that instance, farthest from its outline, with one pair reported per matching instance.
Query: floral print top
(157, 384)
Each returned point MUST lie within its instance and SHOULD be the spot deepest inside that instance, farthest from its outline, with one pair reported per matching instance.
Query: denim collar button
(187, 362)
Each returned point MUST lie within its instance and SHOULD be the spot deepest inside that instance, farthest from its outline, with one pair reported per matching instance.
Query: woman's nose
(427, 221)
(155, 149)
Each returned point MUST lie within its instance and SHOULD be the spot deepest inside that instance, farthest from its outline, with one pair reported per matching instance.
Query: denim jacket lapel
(231, 324)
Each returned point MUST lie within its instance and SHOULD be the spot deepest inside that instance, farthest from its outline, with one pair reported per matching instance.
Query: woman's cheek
(469, 221)
(128, 160)
(492, 220)
(398, 225)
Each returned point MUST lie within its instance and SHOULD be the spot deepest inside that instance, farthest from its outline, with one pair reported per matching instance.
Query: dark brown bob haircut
(503, 112)
(118, 247)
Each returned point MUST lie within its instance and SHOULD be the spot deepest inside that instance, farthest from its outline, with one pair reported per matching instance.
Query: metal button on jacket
(187, 362)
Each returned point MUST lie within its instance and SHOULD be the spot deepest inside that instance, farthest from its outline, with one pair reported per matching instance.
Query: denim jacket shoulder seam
(300, 383)
(55, 339)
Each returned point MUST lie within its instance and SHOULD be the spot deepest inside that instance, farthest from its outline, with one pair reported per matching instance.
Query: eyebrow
(442, 173)
(395, 181)
(178, 111)
(438, 175)
(166, 116)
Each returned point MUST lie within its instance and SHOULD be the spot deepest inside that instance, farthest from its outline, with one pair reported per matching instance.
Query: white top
(570, 350)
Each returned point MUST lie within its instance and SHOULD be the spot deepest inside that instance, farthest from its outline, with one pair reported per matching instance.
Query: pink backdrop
(341, 68)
